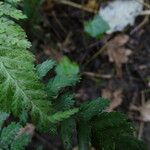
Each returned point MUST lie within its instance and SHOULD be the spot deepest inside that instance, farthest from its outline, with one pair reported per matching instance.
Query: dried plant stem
(73, 4)
(145, 12)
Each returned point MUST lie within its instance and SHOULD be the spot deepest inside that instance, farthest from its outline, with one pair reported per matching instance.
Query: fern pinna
(20, 91)
(11, 137)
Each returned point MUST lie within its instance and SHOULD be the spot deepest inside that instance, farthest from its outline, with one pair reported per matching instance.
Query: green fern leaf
(84, 133)
(59, 116)
(109, 129)
(113, 119)
(3, 117)
(20, 89)
(66, 67)
(13, 1)
(8, 10)
(20, 142)
(92, 108)
(64, 102)
(132, 142)
(67, 127)
(9, 136)
(44, 68)
(56, 85)
(9, 132)
(66, 75)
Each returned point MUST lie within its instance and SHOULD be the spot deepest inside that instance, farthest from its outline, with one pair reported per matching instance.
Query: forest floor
(60, 32)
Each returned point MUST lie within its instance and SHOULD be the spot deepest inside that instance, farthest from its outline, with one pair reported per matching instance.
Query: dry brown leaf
(92, 4)
(145, 112)
(119, 40)
(116, 98)
(107, 93)
(28, 129)
(117, 53)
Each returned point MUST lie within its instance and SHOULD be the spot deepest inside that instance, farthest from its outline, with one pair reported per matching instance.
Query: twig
(145, 12)
(96, 54)
(142, 98)
(73, 4)
(96, 75)
(144, 3)
(138, 27)
(141, 127)
(134, 108)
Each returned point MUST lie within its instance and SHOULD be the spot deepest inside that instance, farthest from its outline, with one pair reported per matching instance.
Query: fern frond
(67, 67)
(132, 142)
(20, 142)
(66, 75)
(13, 1)
(62, 115)
(59, 82)
(92, 108)
(44, 68)
(20, 89)
(9, 138)
(64, 102)
(113, 119)
(7, 9)
(9, 132)
(109, 129)
(3, 117)
(84, 135)
(67, 128)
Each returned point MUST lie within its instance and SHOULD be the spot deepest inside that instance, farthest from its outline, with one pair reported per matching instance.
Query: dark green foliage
(84, 133)
(62, 115)
(31, 9)
(127, 142)
(67, 128)
(66, 75)
(21, 92)
(92, 108)
(65, 102)
(44, 68)
(10, 138)
(109, 131)
(94, 126)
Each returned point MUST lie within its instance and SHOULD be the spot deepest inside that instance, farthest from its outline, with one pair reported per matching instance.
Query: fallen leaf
(96, 27)
(116, 98)
(28, 129)
(119, 40)
(117, 53)
(145, 111)
(120, 13)
(107, 93)
(92, 4)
